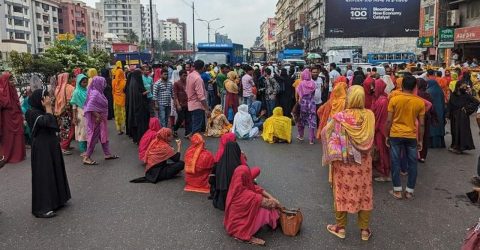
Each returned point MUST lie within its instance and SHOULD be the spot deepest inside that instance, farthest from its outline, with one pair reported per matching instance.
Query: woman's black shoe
(46, 215)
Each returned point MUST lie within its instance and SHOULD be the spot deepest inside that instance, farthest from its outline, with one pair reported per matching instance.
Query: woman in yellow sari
(347, 141)
(118, 90)
(217, 124)
(277, 128)
(91, 73)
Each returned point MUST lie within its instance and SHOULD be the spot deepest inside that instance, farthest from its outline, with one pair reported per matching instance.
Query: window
(39, 39)
(40, 50)
(473, 10)
(10, 21)
(26, 24)
(60, 21)
(54, 19)
(37, 15)
(18, 22)
(55, 30)
(25, 11)
(429, 17)
(28, 37)
(39, 27)
(20, 36)
(37, 4)
(54, 9)
(17, 9)
(46, 29)
(61, 31)
(59, 10)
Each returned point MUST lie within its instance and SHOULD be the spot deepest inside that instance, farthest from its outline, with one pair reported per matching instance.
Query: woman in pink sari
(379, 108)
(96, 114)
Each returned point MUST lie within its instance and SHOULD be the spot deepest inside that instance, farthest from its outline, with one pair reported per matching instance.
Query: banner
(446, 38)
(372, 18)
(271, 28)
(426, 42)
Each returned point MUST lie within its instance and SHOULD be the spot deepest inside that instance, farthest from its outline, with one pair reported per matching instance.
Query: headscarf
(96, 100)
(226, 138)
(307, 85)
(349, 131)
(367, 86)
(91, 73)
(389, 86)
(454, 81)
(8, 93)
(338, 98)
(80, 94)
(153, 127)
(358, 80)
(380, 106)
(231, 82)
(278, 126)
(242, 122)
(197, 156)
(77, 71)
(157, 74)
(35, 99)
(118, 87)
(243, 204)
(63, 93)
(380, 86)
(159, 149)
(35, 83)
(230, 160)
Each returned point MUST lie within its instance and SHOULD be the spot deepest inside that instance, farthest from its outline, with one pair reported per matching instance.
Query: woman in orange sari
(347, 141)
(118, 86)
(335, 104)
(198, 165)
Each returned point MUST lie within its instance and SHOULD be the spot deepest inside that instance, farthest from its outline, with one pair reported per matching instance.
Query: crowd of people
(371, 127)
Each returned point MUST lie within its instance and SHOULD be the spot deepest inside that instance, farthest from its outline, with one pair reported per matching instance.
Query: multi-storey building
(15, 27)
(267, 36)
(95, 27)
(121, 17)
(173, 29)
(73, 17)
(147, 29)
(45, 24)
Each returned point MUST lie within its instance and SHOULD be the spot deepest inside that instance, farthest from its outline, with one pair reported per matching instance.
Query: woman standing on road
(138, 113)
(12, 139)
(231, 98)
(78, 102)
(108, 92)
(118, 90)
(347, 140)
(437, 131)
(379, 108)
(50, 189)
(306, 90)
(64, 113)
(96, 114)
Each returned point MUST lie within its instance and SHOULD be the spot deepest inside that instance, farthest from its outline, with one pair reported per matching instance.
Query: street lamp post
(215, 33)
(208, 25)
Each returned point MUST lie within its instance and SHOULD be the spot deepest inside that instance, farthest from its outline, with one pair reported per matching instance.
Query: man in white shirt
(318, 84)
(333, 75)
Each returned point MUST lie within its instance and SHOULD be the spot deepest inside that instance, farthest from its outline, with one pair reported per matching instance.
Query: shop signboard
(446, 38)
(372, 18)
(426, 42)
(467, 34)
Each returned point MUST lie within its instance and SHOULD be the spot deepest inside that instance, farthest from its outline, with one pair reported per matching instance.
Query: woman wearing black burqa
(108, 92)
(138, 114)
(286, 96)
(460, 106)
(50, 190)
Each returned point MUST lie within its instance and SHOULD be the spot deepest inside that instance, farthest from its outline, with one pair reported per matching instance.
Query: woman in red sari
(153, 127)
(12, 140)
(248, 208)
(379, 108)
(367, 87)
(198, 165)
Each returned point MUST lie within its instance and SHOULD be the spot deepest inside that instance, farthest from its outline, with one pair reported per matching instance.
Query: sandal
(112, 157)
(66, 152)
(46, 215)
(253, 241)
(396, 194)
(383, 179)
(90, 163)
(337, 231)
(120, 133)
(408, 195)
(366, 234)
(3, 161)
(300, 138)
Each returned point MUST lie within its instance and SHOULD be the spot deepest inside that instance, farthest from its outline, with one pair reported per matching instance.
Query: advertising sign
(426, 42)
(271, 29)
(467, 34)
(372, 18)
(446, 37)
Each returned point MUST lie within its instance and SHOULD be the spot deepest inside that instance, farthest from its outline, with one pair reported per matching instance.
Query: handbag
(472, 240)
(290, 220)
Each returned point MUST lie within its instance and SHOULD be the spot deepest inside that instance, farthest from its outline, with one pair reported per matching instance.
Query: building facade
(15, 27)
(146, 23)
(73, 17)
(45, 24)
(121, 17)
(173, 29)
(95, 27)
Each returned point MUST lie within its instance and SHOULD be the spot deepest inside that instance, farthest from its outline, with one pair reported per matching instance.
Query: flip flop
(92, 163)
(367, 236)
(394, 195)
(3, 161)
(253, 241)
(112, 157)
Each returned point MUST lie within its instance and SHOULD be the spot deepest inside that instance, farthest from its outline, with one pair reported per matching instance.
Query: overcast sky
(241, 19)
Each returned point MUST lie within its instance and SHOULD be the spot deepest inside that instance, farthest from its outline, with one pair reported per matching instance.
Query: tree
(20, 62)
(168, 45)
(131, 37)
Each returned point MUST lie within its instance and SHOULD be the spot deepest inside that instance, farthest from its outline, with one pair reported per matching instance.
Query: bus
(395, 57)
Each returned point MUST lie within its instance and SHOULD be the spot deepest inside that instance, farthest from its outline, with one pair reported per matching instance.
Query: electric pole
(151, 30)
(193, 26)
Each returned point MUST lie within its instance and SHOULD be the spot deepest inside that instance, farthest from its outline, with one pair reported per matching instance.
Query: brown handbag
(472, 240)
(290, 220)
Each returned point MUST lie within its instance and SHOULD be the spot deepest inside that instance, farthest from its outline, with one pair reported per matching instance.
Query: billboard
(271, 29)
(372, 18)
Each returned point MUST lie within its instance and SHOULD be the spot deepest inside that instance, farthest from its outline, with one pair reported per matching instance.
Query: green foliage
(132, 37)
(20, 62)
(168, 45)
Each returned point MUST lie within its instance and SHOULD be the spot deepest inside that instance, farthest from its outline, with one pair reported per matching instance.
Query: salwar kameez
(119, 114)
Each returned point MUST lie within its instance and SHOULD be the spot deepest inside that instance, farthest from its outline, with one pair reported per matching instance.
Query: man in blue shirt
(208, 82)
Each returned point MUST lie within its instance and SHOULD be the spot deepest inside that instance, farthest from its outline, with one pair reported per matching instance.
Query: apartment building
(73, 17)
(15, 27)
(95, 27)
(146, 23)
(173, 29)
(45, 24)
(121, 17)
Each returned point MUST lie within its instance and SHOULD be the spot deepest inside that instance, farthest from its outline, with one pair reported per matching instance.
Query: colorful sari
(78, 101)
(153, 127)
(277, 127)
(217, 124)
(198, 165)
(231, 97)
(118, 91)
(63, 110)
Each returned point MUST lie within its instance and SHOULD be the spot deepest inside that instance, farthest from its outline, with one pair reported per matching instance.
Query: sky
(241, 18)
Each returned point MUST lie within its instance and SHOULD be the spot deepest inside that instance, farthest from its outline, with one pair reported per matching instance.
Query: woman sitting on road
(249, 208)
(347, 141)
(217, 123)
(243, 125)
(277, 128)
(222, 174)
(158, 153)
(226, 138)
(153, 127)
(258, 115)
(198, 165)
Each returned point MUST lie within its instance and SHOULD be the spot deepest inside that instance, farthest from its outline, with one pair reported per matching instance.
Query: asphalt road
(108, 212)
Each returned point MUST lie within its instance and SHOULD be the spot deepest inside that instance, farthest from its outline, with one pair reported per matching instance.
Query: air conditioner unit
(453, 18)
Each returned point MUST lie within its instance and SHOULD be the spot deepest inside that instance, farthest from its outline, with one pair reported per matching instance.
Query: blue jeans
(248, 100)
(198, 120)
(211, 99)
(163, 115)
(270, 107)
(409, 146)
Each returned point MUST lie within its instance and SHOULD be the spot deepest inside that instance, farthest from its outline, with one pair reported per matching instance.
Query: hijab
(91, 73)
(307, 85)
(230, 160)
(153, 127)
(242, 122)
(389, 83)
(35, 83)
(79, 95)
(197, 155)
(8, 93)
(63, 93)
(118, 86)
(96, 100)
(231, 82)
(277, 125)
(380, 87)
(338, 98)
(159, 149)
(349, 131)
(226, 138)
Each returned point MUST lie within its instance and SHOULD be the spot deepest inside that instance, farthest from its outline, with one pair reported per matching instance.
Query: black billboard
(372, 18)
